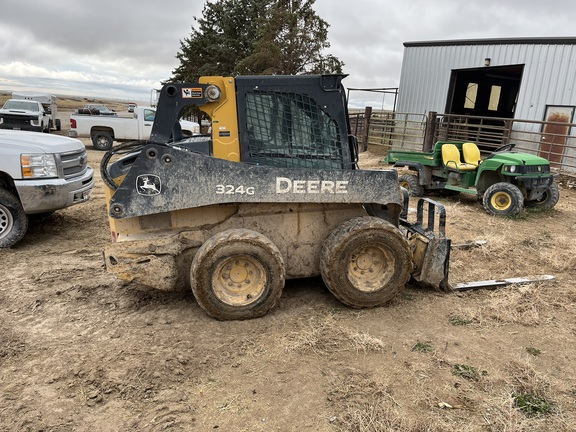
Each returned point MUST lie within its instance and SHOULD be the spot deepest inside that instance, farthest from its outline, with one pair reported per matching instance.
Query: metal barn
(532, 79)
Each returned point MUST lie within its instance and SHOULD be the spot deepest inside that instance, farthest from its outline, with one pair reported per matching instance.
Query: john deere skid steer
(272, 193)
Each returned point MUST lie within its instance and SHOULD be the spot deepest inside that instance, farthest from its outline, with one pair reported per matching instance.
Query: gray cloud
(124, 48)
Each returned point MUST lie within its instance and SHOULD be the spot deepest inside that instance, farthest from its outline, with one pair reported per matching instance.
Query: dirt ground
(81, 351)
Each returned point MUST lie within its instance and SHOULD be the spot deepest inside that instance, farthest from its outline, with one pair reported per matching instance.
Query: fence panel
(553, 140)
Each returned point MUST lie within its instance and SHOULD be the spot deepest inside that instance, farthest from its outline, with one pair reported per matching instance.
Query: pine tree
(256, 37)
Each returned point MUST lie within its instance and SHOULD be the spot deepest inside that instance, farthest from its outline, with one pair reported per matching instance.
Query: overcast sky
(122, 49)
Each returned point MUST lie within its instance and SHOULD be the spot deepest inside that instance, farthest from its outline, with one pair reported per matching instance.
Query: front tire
(548, 200)
(503, 199)
(237, 274)
(365, 262)
(411, 183)
(102, 141)
(13, 220)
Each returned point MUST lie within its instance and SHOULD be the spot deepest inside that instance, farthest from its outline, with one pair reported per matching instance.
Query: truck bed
(424, 158)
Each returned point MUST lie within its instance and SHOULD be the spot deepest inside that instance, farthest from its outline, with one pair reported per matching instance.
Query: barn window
(494, 98)
(471, 93)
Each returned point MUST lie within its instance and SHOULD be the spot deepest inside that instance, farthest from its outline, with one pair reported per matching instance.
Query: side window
(291, 130)
(149, 115)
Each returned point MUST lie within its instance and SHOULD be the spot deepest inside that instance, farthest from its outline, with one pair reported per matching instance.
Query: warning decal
(192, 93)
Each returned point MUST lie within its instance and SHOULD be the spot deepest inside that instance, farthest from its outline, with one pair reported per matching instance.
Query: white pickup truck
(104, 130)
(24, 114)
(39, 173)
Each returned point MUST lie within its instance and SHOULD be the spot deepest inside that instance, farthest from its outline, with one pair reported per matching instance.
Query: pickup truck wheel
(365, 262)
(102, 141)
(13, 220)
(503, 199)
(411, 183)
(237, 274)
(58, 125)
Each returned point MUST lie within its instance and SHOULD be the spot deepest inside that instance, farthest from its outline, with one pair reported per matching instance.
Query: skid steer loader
(272, 193)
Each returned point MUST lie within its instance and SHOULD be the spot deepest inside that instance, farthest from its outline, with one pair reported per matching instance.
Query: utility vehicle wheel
(548, 200)
(237, 274)
(411, 184)
(365, 262)
(503, 199)
(102, 141)
(13, 220)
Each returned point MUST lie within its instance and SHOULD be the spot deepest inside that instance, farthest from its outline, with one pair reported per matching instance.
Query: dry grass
(325, 335)
(73, 102)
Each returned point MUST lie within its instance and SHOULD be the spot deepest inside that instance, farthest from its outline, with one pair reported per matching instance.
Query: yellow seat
(471, 153)
(451, 159)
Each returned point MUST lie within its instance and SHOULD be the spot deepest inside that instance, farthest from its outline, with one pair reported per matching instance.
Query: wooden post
(367, 115)
(430, 131)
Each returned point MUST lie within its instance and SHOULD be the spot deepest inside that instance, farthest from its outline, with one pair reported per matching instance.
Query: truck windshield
(21, 105)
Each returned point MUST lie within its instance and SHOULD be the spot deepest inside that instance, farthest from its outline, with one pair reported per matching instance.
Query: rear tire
(102, 141)
(548, 200)
(365, 262)
(237, 274)
(13, 220)
(411, 183)
(503, 199)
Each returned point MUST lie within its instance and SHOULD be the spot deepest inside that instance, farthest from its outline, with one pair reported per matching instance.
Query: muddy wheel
(365, 262)
(237, 274)
(503, 199)
(548, 200)
(102, 141)
(13, 220)
(411, 184)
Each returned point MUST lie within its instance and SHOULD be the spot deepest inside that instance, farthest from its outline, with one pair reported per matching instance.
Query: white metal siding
(548, 79)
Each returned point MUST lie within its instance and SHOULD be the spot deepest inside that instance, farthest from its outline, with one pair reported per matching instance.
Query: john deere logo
(148, 184)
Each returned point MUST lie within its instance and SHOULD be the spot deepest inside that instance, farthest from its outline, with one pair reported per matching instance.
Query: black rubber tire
(503, 199)
(548, 200)
(58, 125)
(102, 141)
(237, 274)
(13, 220)
(349, 268)
(411, 183)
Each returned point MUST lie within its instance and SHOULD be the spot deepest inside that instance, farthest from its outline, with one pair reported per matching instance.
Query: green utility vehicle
(506, 180)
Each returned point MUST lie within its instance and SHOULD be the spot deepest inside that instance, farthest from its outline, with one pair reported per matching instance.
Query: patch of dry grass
(325, 335)
(526, 305)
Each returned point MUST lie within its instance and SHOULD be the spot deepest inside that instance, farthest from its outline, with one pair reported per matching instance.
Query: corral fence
(555, 141)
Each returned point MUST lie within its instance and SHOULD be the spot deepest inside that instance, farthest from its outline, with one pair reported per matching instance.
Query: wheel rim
(239, 281)
(405, 185)
(369, 268)
(544, 198)
(501, 201)
(6, 221)
(102, 142)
